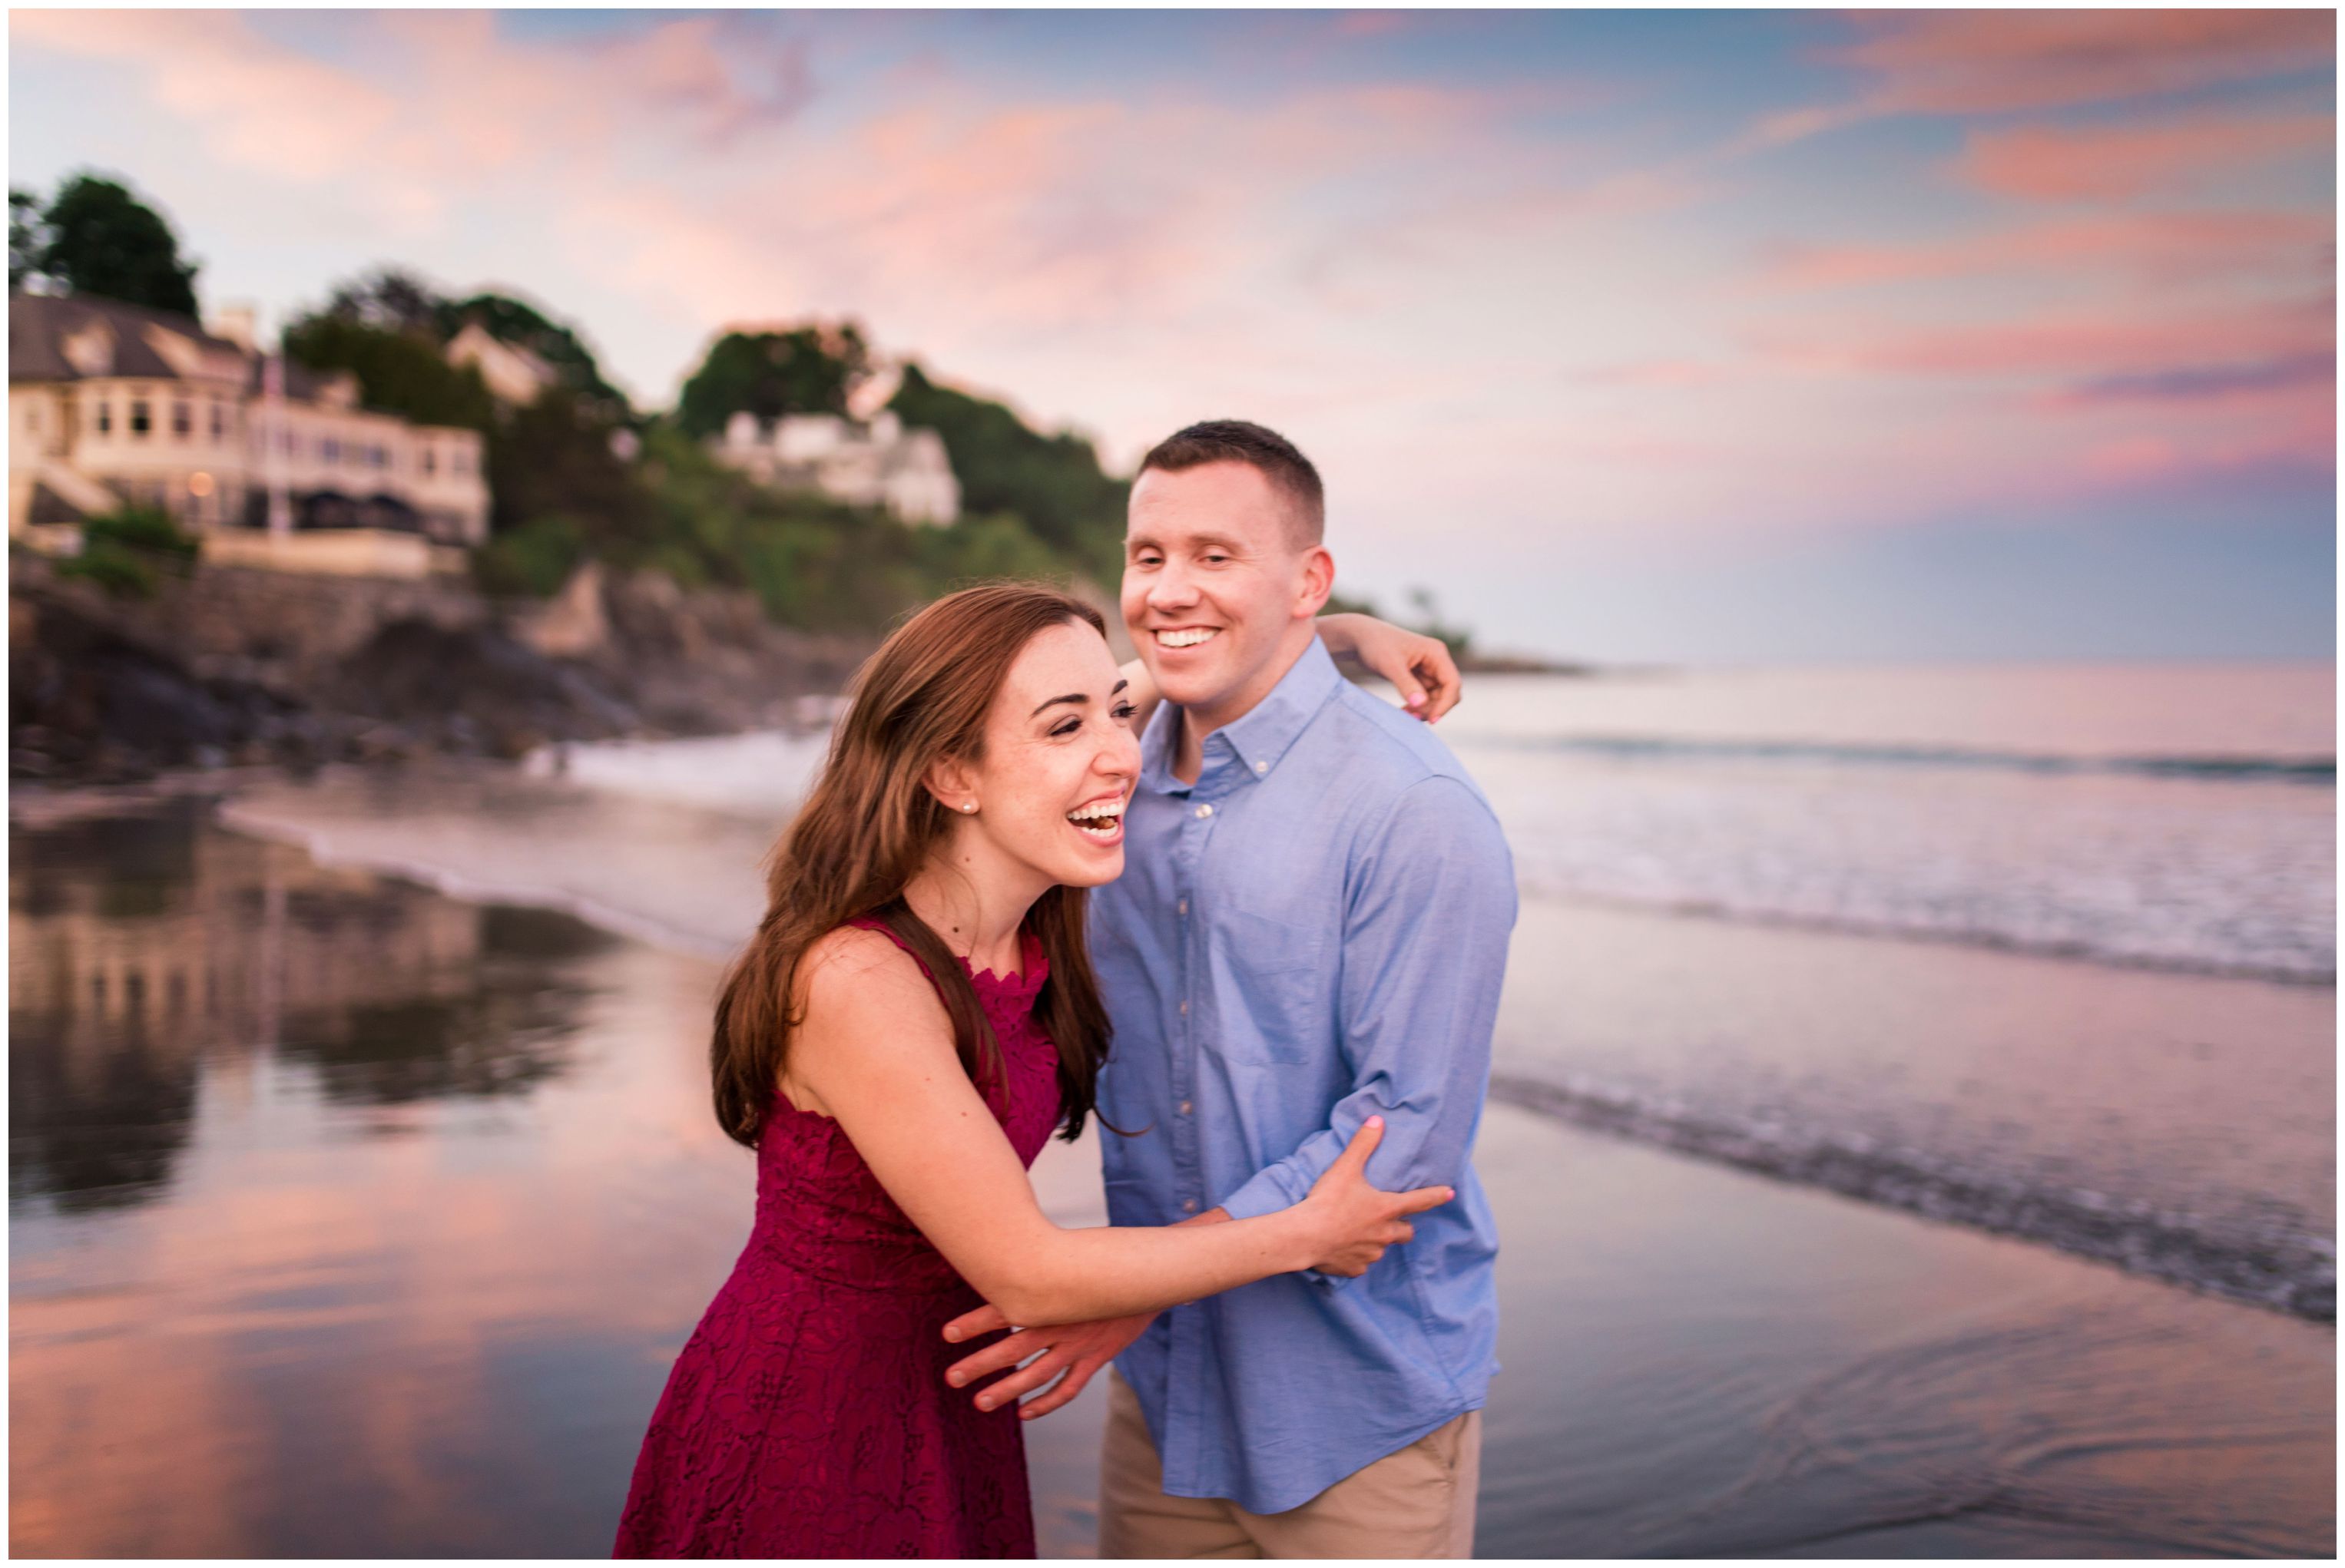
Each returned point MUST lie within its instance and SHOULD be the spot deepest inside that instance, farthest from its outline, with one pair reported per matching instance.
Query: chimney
(235, 323)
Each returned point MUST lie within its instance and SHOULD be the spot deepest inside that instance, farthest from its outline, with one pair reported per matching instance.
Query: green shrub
(536, 559)
(141, 528)
(126, 552)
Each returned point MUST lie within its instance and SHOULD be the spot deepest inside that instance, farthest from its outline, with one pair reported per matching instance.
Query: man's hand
(1077, 1349)
(1419, 667)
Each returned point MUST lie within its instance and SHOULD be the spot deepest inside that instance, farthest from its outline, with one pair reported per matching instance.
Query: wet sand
(350, 1219)
(1701, 1362)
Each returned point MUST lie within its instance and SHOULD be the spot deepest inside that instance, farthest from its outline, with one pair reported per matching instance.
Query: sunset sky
(1730, 337)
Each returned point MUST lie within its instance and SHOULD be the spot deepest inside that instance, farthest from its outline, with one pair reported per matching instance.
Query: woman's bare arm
(875, 1050)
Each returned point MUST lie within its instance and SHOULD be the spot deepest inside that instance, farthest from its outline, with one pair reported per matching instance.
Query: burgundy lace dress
(808, 1416)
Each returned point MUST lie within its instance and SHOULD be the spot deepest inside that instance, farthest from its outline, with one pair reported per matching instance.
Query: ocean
(2146, 843)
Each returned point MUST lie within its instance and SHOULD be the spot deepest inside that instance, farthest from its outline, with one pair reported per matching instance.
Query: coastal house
(266, 462)
(865, 462)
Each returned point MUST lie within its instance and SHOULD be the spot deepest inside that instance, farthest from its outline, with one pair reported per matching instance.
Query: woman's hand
(1356, 1221)
(1420, 666)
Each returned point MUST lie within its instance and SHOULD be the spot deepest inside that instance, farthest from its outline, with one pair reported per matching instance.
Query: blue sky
(1714, 337)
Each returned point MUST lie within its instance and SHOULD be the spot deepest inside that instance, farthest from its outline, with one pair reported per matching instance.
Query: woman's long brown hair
(867, 828)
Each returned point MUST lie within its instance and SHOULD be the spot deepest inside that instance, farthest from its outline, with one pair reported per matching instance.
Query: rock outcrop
(233, 665)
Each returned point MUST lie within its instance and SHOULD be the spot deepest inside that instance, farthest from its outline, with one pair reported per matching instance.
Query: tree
(807, 370)
(391, 299)
(398, 371)
(554, 458)
(97, 238)
(1053, 483)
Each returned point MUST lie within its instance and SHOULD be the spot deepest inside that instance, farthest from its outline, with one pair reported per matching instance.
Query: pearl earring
(968, 805)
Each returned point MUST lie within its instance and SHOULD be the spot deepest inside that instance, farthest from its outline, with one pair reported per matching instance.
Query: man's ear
(949, 779)
(1318, 583)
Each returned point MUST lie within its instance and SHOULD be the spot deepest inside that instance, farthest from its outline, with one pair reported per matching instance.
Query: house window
(330, 449)
(140, 420)
(33, 420)
(220, 420)
(182, 420)
(105, 418)
(430, 459)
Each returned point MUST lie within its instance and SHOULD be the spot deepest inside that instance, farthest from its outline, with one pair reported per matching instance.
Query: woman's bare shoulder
(852, 976)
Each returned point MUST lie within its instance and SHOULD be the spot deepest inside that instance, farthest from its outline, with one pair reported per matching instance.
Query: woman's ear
(953, 784)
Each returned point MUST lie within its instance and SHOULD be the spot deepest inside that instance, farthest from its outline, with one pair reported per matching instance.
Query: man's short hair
(1265, 451)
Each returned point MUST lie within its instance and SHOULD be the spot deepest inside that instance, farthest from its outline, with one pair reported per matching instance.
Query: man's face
(1213, 583)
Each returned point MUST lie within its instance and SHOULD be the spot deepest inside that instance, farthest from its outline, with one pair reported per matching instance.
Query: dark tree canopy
(807, 370)
(391, 299)
(96, 238)
(554, 458)
(398, 371)
(1052, 482)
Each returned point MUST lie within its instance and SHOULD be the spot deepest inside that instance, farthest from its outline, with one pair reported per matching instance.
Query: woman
(914, 1017)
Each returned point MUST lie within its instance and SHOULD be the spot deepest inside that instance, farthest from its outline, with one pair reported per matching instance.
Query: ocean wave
(420, 865)
(2319, 772)
(2285, 1270)
(2310, 966)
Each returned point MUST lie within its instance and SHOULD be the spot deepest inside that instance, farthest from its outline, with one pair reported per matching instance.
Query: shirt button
(1262, 767)
(1205, 810)
(1188, 1205)
(1185, 1007)
(1183, 906)
(1184, 1108)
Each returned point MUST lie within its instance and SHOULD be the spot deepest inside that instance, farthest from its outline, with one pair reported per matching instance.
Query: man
(1311, 929)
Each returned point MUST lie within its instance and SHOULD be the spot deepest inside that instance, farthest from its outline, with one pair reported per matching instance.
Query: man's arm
(1077, 1349)
(1425, 950)
(1425, 946)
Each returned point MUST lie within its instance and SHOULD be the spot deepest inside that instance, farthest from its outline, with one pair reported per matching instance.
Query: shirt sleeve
(1429, 909)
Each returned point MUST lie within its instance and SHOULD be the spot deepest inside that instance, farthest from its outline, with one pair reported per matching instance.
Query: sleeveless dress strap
(873, 922)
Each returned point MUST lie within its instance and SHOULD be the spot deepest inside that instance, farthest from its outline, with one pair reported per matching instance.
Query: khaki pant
(1417, 1502)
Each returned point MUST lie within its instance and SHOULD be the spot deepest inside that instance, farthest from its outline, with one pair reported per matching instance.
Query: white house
(109, 403)
(873, 463)
(513, 375)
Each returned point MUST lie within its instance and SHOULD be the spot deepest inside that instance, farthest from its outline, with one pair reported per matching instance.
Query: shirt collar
(1259, 738)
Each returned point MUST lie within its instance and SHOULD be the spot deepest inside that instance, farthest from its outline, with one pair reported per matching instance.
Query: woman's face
(1060, 763)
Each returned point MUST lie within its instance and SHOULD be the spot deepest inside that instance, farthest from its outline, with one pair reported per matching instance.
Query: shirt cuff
(1265, 1193)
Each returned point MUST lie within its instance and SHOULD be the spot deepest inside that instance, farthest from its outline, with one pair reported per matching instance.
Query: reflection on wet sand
(188, 950)
(245, 1320)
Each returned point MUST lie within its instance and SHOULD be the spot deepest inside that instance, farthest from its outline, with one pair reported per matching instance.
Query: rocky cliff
(235, 665)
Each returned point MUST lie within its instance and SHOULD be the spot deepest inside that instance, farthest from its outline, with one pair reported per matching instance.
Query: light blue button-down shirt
(1313, 933)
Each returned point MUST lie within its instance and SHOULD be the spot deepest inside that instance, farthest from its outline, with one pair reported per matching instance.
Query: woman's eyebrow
(1076, 699)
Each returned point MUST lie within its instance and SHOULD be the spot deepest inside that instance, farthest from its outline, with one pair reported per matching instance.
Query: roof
(302, 384)
(40, 324)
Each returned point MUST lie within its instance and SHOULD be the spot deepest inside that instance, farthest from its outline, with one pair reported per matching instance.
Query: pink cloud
(262, 106)
(2046, 162)
(2179, 247)
(1982, 62)
(1993, 62)
(438, 99)
(2230, 381)
(2072, 346)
